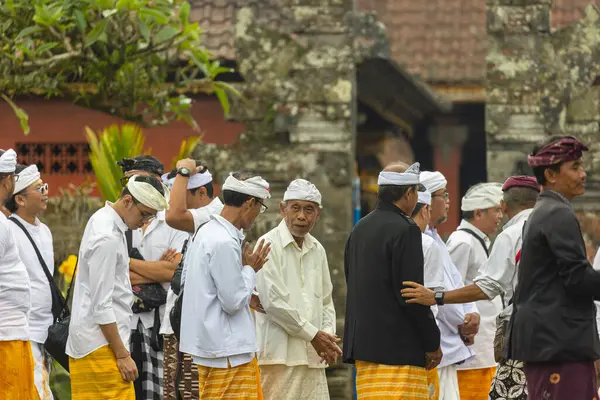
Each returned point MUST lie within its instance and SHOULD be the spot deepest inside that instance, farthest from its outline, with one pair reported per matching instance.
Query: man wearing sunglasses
(155, 251)
(16, 361)
(100, 328)
(34, 241)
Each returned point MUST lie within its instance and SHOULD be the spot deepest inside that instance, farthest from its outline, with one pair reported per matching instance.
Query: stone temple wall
(542, 83)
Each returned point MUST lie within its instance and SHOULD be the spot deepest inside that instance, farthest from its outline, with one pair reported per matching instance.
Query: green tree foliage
(135, 59)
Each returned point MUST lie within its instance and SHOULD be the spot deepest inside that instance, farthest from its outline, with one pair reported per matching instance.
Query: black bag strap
(176, 285)
(49, 276)
(469, 231)
(129, 239)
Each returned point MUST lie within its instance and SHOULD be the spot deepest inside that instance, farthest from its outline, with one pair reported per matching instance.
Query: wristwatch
(183, 172)
(439, 298)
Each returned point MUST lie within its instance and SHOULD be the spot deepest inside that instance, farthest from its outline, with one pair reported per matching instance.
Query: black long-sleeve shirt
(385, 249)
(554, 317)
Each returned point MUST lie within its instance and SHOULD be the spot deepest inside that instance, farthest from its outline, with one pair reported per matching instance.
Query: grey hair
(520, 197)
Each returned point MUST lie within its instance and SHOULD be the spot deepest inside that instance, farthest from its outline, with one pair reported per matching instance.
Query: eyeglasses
(444, 195)
(146, 217)
(263, 208)
(42, 189)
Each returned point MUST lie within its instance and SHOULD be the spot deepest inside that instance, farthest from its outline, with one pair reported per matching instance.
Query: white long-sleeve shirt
(14, 287)
(201, 216)
(498, 275)
(40, 315)
(450, 316)
(295, 291)
(217, 326)
(468, 255)
(102, 292)
(152, 244)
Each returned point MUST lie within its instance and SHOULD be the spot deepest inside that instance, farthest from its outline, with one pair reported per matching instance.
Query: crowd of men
(170, 301)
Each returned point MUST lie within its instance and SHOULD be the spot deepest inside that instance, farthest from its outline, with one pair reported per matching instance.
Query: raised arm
(177, 215)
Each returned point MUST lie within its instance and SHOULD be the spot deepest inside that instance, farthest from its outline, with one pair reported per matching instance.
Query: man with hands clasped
(296, 335)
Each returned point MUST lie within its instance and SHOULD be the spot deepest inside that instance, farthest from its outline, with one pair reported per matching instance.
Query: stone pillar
(447, 142)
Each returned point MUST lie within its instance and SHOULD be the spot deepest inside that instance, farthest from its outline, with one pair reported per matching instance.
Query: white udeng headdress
(408, 177)
(433, 181)
(26, 177)
(146, 194)
(301, 189)
(424, 198)
(255, 186)
(8, 162)
(482, 196)
(195, 181)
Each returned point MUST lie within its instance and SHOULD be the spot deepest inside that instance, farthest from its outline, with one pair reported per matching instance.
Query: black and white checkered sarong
(149, 385)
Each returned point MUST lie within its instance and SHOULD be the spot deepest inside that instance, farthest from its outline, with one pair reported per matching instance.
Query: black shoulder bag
(58, 332)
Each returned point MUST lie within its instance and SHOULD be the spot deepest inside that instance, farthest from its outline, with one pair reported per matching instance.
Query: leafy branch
(135, 59)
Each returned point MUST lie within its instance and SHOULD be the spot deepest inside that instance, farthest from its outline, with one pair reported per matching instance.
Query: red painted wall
(56, 121)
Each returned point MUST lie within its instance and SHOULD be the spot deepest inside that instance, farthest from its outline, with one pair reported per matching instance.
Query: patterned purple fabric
(521, 181)
(561, 381)
(568, 148)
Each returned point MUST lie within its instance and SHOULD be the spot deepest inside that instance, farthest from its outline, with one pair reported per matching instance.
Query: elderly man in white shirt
(440, 275)
(469, 248)
(34, 241)
(498, 278)
(295, 290)
(217, 327)
(16, 360)
(100, 363)
(191, 205)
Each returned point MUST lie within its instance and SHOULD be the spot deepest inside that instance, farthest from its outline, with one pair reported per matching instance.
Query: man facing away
(217, 327)
(100, 363)
(296, 294)
(392, 343)
(469, 248)
(192, 203)
(155, 251)
(553, 326)
(454, 336)
(497, 278)
(16, 360)
(29, 200)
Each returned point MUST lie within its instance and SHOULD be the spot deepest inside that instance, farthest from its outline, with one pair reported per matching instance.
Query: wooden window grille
(57, 158)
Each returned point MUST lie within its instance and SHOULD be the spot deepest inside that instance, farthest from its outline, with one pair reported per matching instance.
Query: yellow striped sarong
(433, 384)
(16, 371)
(475, 384)
(240, 383)
(97, 377)
(379, 381)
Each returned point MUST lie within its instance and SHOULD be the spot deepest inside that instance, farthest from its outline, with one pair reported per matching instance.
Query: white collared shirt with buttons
(40, 315)
(217, 327)
(201, 216)
(102, 289)
(295, 291)
(469, 256)
(14, 280)
(152, 244)
(450, 316)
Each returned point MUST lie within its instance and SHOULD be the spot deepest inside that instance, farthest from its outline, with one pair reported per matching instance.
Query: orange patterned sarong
(379, 381)
(16, 371)
(240, 383)
(433, 384)
(475, 384)
(97, 377)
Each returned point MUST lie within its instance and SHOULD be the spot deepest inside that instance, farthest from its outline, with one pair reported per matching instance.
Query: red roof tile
(439, 40)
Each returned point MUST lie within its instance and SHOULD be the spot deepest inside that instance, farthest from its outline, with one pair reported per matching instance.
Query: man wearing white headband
(391, 342)
(297, 331)
(16, 360)
(100, 328)
(469, 248)
(191, 204)
(217, 327)
(29, 200)
(448, 318)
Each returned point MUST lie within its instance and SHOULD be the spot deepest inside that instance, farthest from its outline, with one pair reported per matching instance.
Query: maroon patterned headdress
(568, 148)
(521, 181)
